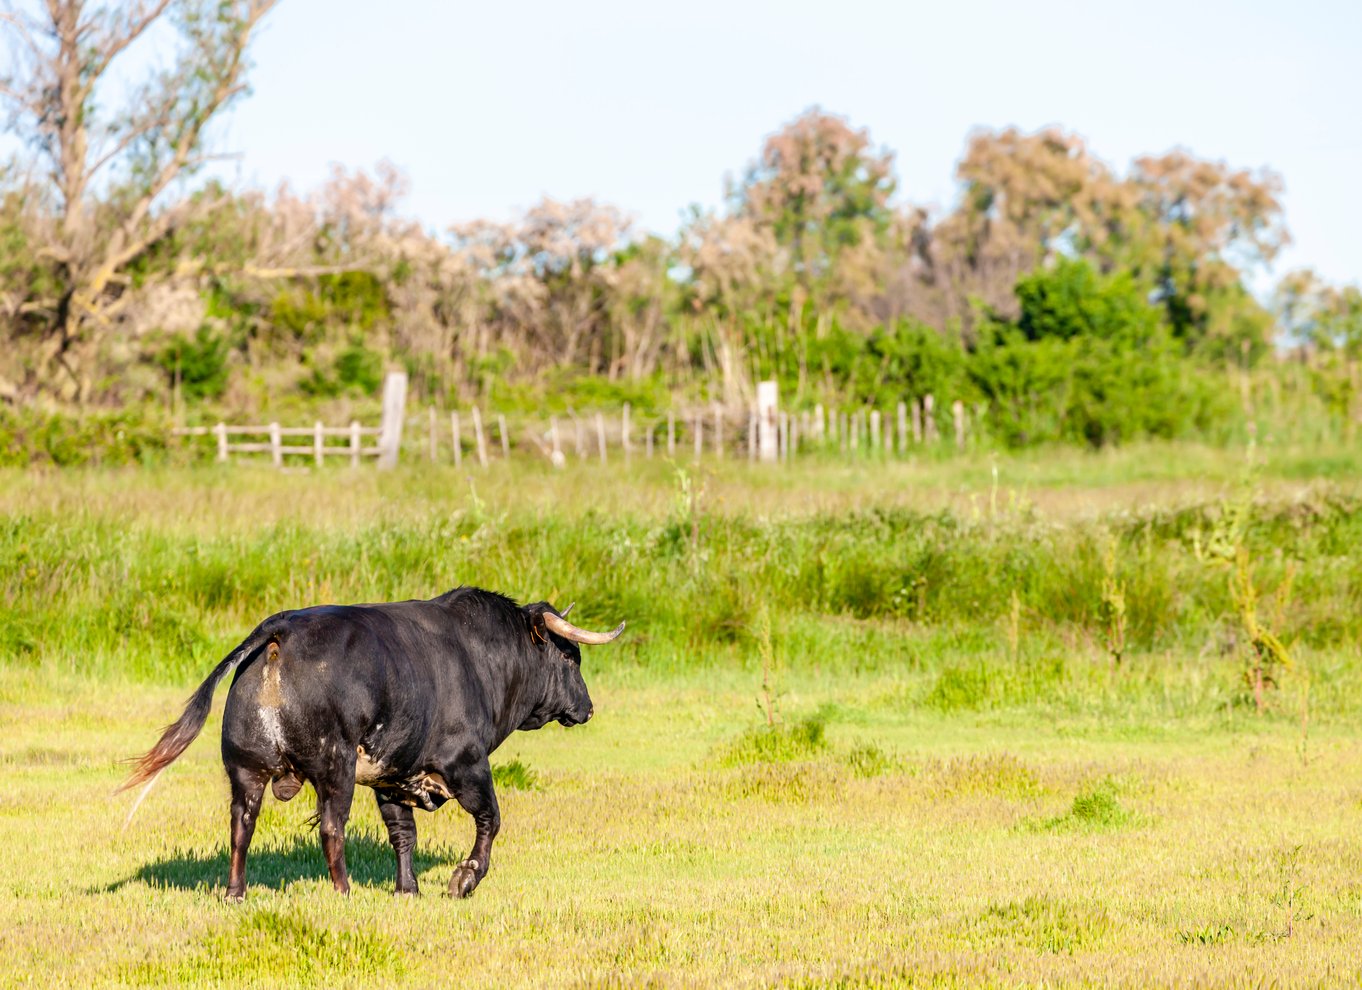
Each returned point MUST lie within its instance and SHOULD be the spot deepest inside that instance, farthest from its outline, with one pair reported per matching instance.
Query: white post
(600, 435)
(221, 431)
(768, 439)
(556, 457)
(394, 410)
(354, 443)
(958, 414)
(818, 428)
(276, 454)
(317, 442)
(929, 418)
(478, 437)
(456, 433)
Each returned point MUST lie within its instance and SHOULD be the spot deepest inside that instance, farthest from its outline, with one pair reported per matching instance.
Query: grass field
(964, 787)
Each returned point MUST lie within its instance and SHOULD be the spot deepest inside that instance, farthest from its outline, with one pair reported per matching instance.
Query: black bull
(408, 698)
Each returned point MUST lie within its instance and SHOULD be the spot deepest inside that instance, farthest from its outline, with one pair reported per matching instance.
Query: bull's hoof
(234, 896)
(412, 891)
(465, 879)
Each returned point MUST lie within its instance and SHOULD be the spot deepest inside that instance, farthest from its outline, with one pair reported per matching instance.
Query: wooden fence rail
(318, 450)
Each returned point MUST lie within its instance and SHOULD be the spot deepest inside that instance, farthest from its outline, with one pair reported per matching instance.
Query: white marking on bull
(272, 726)
(367, 771)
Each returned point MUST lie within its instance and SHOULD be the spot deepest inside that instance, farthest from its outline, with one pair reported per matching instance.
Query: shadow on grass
(369, 858)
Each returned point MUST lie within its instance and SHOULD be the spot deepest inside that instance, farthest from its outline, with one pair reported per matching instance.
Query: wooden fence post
(457, 436)
(221, 431)
(768, 424)
(317, 442)
(929, 418)
(354, 443)
(875, 431)
(556, 457)
(276, 442)
(600, 435)
(505, 437)
(958, 414)
(394, 411)
(478, 437)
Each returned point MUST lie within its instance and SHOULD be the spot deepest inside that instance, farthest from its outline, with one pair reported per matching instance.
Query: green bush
(778, 743)
(131, 436)
(199, 363)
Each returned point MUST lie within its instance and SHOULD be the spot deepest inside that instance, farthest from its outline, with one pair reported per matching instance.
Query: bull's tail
(178, 735)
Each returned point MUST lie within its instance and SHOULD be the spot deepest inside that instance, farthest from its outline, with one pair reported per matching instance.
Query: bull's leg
(402, 834)
(247, 790)
(334, 793)
(473, 790)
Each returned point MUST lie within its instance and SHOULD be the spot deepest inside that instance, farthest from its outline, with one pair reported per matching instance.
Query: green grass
(950, 796)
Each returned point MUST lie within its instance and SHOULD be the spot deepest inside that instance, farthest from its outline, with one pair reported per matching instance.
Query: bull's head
(567, 702)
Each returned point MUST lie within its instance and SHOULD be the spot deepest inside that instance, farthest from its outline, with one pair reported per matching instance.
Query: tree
(1313, 312)
(1024, 198)
(110, 166)
(821, 189)
(1194, 228)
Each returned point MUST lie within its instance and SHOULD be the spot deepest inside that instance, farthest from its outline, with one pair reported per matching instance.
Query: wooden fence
(275, 446)
(714, 431)
(761, 433)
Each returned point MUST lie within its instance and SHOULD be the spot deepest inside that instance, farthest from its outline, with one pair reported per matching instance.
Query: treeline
(1064, 298)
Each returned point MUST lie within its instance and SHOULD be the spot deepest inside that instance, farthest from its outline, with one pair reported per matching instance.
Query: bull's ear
(539, 632)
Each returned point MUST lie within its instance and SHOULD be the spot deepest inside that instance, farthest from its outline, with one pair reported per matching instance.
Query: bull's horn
(568, 631)
(566, 610)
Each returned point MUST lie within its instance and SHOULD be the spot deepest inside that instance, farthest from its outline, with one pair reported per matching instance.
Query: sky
(490, 106)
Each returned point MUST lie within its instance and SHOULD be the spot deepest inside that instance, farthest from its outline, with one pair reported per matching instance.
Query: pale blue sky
(489, 106)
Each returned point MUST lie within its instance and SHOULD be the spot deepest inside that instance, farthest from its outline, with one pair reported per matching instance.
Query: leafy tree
(1190, 231)
(821, 189)
(110, 168)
